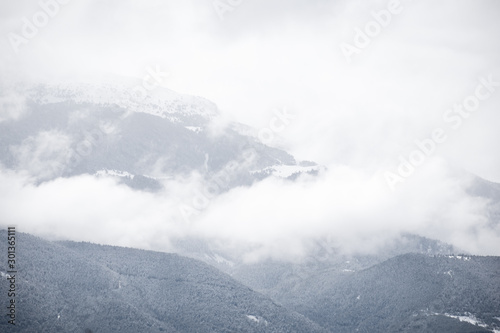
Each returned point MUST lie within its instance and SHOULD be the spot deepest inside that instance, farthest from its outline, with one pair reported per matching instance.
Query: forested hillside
(73, 287)
(408, 293)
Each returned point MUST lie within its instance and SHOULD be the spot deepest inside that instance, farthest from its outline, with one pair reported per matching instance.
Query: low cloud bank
(274, 218)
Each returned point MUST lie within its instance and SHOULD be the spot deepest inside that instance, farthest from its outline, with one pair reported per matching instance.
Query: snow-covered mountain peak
(127, 93)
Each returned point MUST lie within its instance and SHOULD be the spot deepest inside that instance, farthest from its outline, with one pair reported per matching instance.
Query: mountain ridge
(69, 287)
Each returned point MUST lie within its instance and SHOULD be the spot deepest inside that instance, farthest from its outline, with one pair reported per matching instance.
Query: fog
(358, 114)
(272, 219)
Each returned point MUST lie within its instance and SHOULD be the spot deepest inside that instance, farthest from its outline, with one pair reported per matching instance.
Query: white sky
(286, 53)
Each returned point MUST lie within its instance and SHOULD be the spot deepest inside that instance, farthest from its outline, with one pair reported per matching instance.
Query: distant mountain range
(407, 293)
(414, 284)
(83, 287)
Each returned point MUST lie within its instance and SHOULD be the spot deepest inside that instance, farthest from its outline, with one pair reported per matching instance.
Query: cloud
(12, 105)
(44, 156)
(356, 118)
(274, 218)
(88, 208)
(353, 208)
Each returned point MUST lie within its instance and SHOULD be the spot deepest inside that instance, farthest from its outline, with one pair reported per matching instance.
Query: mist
(361, 116)
(273, 219)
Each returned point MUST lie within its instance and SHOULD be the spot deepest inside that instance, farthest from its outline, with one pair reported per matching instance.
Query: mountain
(407, 293)
(83, 287)
(277, 279)
(414, 284)
(70, 129)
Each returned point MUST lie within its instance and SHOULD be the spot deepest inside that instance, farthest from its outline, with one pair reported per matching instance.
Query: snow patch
(220, 260)
(459, 257)
(116, 173)
(469, 318)
(258, 320)
(348, 270)
(285, 171)
(195, 129)
(253, 318)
